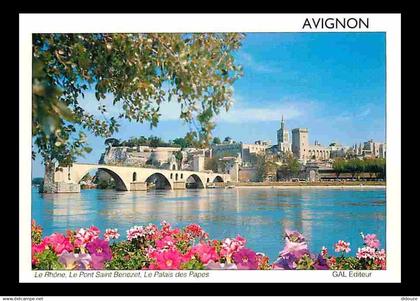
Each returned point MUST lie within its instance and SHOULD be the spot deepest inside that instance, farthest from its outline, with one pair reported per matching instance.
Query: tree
(211, 164)
(179, 156)
(112, 141)
(266, 166)
(216, 140)
(139, 71)
(181, 142)
(155, 141)
(355, 166)
(291, 166)
(339, 166)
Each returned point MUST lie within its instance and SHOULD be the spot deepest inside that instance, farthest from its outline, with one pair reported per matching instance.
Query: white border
(42, 23)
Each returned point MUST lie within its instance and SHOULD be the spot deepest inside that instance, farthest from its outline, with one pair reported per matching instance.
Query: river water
(259, 214)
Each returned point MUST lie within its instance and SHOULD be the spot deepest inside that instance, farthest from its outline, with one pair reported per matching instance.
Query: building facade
(369, 149)
(246, 151)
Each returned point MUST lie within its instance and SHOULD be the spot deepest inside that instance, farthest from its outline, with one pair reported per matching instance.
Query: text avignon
(336, 23)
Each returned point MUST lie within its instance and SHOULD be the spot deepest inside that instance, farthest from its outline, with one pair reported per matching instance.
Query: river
(259, 214)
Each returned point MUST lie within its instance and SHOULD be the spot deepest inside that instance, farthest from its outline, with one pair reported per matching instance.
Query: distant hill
(37, 181)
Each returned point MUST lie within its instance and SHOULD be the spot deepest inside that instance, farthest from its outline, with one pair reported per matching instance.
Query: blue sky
(331, 83)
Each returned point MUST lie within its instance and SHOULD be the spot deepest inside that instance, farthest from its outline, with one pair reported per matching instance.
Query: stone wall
(248, 174)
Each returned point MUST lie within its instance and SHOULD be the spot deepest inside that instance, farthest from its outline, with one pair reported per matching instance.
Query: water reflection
(260, 215)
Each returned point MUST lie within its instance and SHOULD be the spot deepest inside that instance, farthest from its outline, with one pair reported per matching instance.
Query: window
(171, 176)
(181, 176)
(176, 177)
(134, 176)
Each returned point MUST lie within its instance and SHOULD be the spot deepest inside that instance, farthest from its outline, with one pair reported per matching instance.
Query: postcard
(210, 148)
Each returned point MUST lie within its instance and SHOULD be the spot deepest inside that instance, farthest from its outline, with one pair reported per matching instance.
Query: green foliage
(216, 140)
(112, 141)
(178, 156)
(356, 166)
(126, 257)
(181, 142)
(291, 167)
(105, 184)
(152, 141)
(193, 264)
(305, 263)
(339, 166)
(36, 233)
(47, 260)
(348, 263)
(37, 181)
(266, 166)
(140, 71)
(211, 164)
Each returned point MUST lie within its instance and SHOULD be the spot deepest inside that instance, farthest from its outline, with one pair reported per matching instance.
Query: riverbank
(327, 185)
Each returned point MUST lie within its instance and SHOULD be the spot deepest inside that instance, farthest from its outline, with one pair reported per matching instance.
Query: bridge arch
(160, 180)
(119, 182)
(218, 179)
(194, 181)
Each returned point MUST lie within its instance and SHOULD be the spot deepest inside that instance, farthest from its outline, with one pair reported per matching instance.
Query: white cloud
(267, 111)
(248, 61)
(241, 111)
(351, 116)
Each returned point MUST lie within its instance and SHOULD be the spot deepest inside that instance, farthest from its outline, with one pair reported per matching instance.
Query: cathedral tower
(283, 138)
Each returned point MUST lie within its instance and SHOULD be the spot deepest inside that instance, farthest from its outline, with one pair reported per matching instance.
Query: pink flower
(366, 253)
(297, 249)
(58, 243)
(294, 236)
(195, 231)
(100, 248)
(246, 259)
(111, 234)
(165, 243)
(371, 241)
(38, 248)
(342, 246)
(324, 251)
(229, 246)
(84, 236)
(167, 260)
(381, 259)
(205, 252)
(149, 232)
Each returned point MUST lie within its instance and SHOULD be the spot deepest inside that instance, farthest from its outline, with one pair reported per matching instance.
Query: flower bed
(166, 248)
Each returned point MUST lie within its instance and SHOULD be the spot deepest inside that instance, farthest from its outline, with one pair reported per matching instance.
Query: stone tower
(300, 143)
(283, 138)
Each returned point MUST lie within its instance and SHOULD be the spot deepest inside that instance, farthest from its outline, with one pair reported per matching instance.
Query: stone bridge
(136, 178)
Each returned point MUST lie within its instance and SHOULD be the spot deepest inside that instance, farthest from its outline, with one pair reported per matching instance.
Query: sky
(331, 83)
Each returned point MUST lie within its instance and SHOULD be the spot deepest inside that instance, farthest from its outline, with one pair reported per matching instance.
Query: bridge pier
(138, 186)
(179, 185)
(63, 187)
